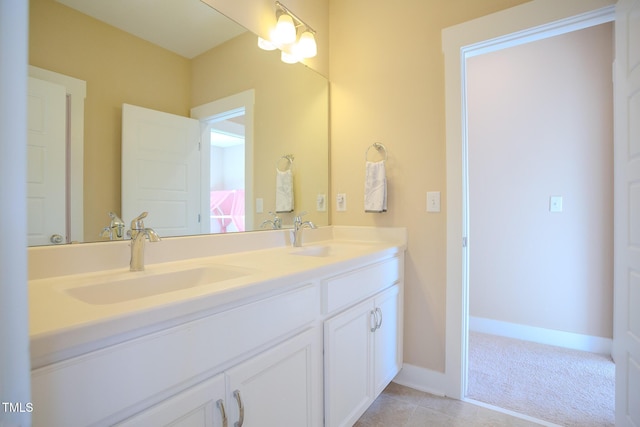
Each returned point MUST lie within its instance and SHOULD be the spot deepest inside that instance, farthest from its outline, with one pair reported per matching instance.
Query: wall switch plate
(555, 204)
(321, 203)
(341, 202)
(259, 205)
(433, 201)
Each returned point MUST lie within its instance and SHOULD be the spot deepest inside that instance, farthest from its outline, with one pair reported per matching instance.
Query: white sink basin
(133, 285)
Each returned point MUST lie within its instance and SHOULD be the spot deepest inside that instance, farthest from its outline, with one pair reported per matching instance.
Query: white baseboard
(421, 379)
(541, 335)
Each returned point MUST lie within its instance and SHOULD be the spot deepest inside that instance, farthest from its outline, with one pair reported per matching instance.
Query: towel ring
(288, 158)
(379, 147)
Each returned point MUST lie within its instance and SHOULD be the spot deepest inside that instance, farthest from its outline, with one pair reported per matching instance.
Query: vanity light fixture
(285, 31)
(266, 44)
(292, 36)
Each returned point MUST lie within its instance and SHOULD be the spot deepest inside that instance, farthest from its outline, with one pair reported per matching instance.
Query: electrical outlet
(321, 203)
(341, 202)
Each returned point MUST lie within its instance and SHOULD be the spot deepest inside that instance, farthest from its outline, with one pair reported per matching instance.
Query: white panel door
(46, 163)
(280, 387)
(387, 355)
(348, 340)
(161, 170)
(627, 213)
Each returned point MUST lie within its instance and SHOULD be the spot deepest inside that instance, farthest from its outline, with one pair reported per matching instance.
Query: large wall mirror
(177, 57)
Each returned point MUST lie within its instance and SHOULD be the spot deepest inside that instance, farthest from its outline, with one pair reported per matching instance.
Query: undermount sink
(134, 285)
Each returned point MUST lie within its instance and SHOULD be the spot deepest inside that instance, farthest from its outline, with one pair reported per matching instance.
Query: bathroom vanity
(252, 332)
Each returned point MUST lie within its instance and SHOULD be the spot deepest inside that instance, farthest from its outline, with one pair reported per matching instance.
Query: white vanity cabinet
(363, 342)
(279, 387)
(309, 346)
(202, 405)
(269, 349)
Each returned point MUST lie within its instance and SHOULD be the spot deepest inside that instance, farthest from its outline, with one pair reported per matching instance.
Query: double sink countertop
(83, 297)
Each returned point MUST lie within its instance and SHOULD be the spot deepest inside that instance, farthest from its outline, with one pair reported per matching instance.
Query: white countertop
(62, 326)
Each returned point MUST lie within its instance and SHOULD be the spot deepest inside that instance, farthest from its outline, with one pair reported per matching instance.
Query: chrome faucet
(138, 234)
(276, 222)
(298, 226)
(115, 230)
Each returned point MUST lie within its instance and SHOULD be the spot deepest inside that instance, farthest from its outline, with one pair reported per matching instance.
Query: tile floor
(400, 406)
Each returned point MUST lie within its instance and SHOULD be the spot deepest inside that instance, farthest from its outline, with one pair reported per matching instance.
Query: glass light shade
(285, 31)
(265, 44)
(306, 46)
(289, 58)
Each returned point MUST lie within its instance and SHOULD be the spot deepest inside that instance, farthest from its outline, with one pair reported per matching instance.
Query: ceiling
(187, 28)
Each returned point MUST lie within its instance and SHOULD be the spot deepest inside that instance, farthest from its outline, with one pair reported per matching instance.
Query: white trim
(541, 335)
(77, 89)
(422, 379)
(459, 42)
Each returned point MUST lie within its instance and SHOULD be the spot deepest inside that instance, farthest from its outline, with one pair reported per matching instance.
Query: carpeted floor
(562, 386)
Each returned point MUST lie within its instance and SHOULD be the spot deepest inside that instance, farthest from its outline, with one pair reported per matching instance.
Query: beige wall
(387, 85)
(541, 124)
(291, 117)
(110, 61)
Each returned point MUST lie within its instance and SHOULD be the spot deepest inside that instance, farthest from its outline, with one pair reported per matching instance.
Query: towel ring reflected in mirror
(285, 163)
(380, 148)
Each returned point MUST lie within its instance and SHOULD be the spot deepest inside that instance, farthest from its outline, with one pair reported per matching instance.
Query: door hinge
(464, 242)
(199, 218)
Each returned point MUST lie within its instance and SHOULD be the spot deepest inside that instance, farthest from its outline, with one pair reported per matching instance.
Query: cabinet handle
(379, 324)
(240, 421)
(220, 404)
(374, 317)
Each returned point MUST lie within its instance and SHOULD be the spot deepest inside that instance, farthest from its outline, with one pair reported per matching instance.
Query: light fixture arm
(284, 9)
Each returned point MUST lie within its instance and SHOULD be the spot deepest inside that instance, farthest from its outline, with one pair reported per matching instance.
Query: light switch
(341, 202)
(259, 205)
(433, 201)
(555, 204)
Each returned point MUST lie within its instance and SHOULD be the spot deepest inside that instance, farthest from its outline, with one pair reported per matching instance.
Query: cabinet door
(387, 355)
(199, 406)
(281, 387)
(348, 343)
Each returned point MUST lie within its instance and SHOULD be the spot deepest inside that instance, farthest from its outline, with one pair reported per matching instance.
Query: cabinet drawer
(100, 386)
(347, 289)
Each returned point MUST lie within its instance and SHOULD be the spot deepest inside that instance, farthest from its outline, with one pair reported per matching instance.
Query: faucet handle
(277, 221)
(298, 218)
(137, 223)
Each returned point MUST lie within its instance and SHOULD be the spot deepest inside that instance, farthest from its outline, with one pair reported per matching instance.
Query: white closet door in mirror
(46, 153)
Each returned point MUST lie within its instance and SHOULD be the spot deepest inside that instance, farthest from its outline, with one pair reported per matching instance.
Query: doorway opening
(523, 24)
(227, 163)
(226, 171)
(540, 128)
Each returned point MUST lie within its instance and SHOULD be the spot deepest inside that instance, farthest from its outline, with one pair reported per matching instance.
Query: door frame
(531, 21)
(214, 109)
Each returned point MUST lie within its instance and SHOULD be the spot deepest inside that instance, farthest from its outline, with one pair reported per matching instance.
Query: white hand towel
(284, 190)
(375, 187)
